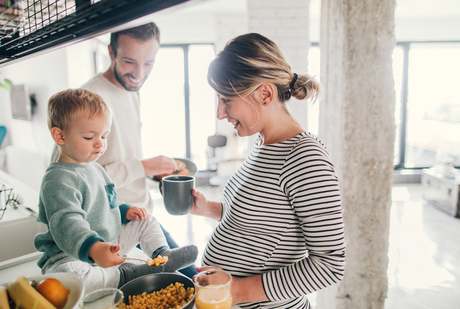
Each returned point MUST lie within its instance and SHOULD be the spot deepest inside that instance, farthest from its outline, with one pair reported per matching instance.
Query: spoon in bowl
(159, 260)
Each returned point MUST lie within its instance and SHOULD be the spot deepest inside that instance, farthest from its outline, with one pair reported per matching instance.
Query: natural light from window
(163, 104)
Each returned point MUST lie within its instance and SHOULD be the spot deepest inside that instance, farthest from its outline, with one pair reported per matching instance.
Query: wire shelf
(28, 27)
(26, 16)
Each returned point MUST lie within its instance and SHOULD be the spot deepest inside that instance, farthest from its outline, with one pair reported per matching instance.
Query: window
(400, 115)
(430, 104)
(314, 64)
(427, 109)
(178, 106)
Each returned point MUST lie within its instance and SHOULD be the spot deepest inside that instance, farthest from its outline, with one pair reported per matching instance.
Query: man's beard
(122, 80)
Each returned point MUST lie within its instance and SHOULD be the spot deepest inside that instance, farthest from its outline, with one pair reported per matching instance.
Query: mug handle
(160, 186)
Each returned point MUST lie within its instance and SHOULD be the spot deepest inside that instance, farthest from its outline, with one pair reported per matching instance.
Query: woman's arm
(244, 290)
(203, 207)
(308, 178)
(249, 289)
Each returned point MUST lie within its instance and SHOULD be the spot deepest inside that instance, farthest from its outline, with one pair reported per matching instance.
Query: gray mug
(177, 194)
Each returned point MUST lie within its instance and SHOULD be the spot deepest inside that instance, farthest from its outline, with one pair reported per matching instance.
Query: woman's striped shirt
(282, 219)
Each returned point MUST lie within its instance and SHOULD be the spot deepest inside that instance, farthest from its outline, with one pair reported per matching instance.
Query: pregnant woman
(281, 233)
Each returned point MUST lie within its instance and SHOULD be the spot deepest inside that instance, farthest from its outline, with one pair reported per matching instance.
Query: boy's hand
(105, 254)
(136, 213)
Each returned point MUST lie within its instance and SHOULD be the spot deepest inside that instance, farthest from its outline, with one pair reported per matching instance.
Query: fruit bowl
(70, 281)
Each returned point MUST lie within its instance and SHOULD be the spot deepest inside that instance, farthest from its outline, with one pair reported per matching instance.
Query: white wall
(29, 142)
(28, 149)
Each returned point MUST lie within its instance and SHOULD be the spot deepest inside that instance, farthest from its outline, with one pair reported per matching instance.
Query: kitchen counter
(17, 229)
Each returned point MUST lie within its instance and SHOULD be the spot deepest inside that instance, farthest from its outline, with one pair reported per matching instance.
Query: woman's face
(242, 113)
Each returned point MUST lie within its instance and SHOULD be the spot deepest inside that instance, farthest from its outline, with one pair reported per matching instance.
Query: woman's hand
(204, 268)
(105, 254)
(136, 213)
(199, 203)
(243, 290)
(202, 207)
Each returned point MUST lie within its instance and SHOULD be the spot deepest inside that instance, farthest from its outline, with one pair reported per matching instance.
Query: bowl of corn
(170, 290)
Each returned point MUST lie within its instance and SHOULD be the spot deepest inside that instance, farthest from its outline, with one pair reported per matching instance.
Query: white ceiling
(404, 8)
(427, 8)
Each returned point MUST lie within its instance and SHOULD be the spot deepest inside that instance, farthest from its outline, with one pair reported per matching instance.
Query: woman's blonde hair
(65, 105)
(250, 60)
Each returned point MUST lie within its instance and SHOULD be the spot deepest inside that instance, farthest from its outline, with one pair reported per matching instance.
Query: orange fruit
(53, 290)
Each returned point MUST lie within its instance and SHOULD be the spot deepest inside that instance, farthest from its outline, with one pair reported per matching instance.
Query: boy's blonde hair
(65, 105)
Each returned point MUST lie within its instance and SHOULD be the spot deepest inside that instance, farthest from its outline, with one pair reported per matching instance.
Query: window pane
(162, 106)
(314, 64)
(202, 102)
(398, 76)
(433, 108)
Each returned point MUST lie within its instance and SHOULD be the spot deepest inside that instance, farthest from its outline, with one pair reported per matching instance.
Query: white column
(357, 124)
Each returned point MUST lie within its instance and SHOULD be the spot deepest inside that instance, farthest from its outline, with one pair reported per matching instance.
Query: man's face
(134, 61)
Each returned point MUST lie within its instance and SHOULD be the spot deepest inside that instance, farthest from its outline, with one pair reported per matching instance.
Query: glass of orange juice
(213, 289)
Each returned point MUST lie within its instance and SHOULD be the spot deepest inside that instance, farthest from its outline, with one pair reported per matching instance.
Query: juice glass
(213, 289)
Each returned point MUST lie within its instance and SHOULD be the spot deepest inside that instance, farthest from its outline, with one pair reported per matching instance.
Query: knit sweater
(122, 158)
(79, 204)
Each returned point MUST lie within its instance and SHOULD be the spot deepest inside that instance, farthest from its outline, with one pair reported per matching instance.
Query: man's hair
(65, 105)
(142, 33)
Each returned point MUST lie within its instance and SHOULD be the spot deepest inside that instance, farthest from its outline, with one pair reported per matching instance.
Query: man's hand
(136, 213)
(159, 165)
(105, 254)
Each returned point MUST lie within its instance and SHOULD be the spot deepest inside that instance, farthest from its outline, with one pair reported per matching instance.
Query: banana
(25, 296)
(4, 303)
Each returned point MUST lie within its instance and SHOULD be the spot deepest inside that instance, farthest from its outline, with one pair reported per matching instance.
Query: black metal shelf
(41, 25)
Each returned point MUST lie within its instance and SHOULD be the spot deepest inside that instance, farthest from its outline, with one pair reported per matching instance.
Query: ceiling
(404, 8)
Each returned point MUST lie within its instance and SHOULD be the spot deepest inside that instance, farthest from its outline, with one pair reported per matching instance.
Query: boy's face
(86, 139)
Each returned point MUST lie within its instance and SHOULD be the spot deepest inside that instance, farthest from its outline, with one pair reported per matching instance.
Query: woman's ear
(267, 93)
(57, 135)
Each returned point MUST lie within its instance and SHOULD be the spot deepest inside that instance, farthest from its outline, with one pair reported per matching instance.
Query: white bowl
(70, 281)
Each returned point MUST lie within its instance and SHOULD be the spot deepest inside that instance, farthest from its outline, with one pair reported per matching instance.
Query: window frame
(186, 48)
(406, 46)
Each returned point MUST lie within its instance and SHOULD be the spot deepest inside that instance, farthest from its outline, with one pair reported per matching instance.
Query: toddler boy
(88, 228)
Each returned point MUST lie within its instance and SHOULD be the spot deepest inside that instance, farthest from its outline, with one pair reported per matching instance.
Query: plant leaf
(8, 81)
(6, 86)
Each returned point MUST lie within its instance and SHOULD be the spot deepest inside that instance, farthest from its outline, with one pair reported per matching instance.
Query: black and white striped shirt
(282, 219)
